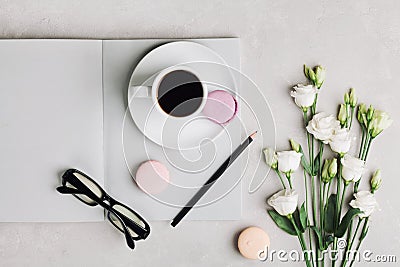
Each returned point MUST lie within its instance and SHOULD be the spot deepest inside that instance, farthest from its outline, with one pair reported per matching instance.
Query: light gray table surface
(357, 41)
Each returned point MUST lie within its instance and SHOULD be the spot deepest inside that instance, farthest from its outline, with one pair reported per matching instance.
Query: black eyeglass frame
(81, 189)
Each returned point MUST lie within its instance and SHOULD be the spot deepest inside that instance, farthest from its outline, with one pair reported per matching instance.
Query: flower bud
(319, 76)
(332, 170)
(295, 146)
(376, 180)
(342, 116)
(370, 113)
(362, 114)
(346, 98)
(329, 170)
(325, 175)
(362, 109)
(270, 157)
(309, 73)
(353, 98)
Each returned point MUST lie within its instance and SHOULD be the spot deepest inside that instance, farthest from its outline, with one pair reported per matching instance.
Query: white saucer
(182, 134)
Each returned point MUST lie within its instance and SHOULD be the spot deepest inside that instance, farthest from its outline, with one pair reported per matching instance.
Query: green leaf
(296, 217)
(282, 222)
(330, 214)
(316, 165)
(344, 224)
(319, 237)
(303, 216)
(305, 163)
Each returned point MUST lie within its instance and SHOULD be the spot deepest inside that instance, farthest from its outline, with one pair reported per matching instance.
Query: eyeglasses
(121, 216)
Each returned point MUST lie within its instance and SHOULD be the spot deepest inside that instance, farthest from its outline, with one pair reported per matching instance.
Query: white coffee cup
(188, 84)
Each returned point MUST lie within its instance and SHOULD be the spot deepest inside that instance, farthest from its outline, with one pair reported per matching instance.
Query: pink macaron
(152, 177)
(221, 107)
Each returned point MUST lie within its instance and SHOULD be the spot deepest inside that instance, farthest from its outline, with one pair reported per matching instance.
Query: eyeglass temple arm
(67, 190)
(128, 237)
(139, 230)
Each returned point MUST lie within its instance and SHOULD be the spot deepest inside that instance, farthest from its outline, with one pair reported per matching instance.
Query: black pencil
(228, 162)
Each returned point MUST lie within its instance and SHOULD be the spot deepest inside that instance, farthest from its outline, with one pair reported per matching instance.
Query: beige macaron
(251, 241)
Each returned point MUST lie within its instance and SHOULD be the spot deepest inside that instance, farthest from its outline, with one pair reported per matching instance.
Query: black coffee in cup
(180, 93)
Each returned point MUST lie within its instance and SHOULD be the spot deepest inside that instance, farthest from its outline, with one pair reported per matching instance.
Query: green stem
(323, 206)
(350, 243)
(321, 203)
(334, 249)
(363, 234)
(321, 152)
(310, 144)
(348, 239)
(321, 217)
(313, 199)
(288, 177)
(355, 233)
(314, 106)
(338, 180)
(367, 146)
(323, 209)
(342, 200)
(280, 177)
(307, 211)
(312, 153)
(351, 117)
(309, 139)
(314, 207)
(362, 142)
(301, 240)
(329, 189)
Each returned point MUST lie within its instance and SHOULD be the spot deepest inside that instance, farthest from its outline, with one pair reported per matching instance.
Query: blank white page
(51, 119)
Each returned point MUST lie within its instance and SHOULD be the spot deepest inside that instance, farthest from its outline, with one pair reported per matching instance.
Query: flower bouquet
(325, 218)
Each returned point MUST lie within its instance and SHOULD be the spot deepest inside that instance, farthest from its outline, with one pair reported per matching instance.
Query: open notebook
(62, 104)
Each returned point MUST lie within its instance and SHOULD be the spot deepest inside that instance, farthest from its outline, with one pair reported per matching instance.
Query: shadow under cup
(180, 93)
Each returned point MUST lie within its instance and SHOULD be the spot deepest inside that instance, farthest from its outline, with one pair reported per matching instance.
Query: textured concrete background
(357, 41)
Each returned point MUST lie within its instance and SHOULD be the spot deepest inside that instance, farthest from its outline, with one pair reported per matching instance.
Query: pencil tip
(253, 135)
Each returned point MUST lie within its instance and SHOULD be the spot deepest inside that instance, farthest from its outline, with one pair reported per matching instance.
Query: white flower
(284, 202)
(288, 161)
(270, 157)
(340, 141)
(304, 95)
(380, 121)
(353, 168)
(366, 202)
(323, 126)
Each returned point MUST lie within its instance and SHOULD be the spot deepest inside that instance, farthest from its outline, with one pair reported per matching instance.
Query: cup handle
(141, 91)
